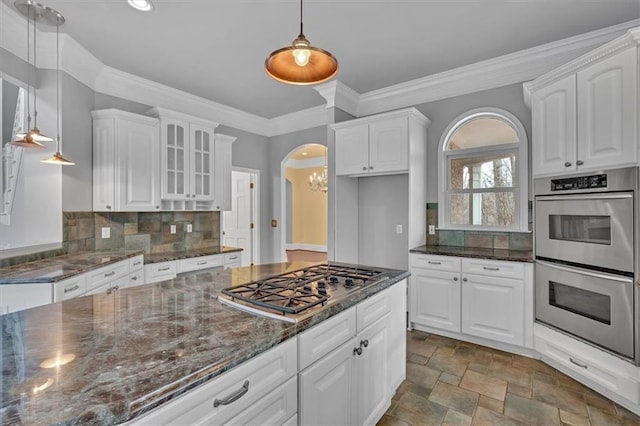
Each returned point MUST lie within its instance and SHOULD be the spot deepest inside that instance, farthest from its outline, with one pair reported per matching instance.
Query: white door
(238, 223)
(373, 372)
(389, 145)
(352, 150)
(436, 299)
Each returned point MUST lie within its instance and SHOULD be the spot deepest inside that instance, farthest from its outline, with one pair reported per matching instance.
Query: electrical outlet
(432, 229)
(189, 227)
(172, 229)
(398, 229)
(106, 232)
(274, 223)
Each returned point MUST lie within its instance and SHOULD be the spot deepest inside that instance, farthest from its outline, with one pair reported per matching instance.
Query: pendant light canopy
(301, 63)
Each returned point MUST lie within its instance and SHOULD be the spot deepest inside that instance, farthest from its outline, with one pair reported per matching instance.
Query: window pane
(495, 171)
(484, 208)
(482, 131)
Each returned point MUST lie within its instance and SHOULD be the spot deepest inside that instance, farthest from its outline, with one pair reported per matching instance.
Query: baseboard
(307, 247)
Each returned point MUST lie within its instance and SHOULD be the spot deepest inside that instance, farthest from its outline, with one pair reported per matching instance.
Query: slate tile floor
(450, 382)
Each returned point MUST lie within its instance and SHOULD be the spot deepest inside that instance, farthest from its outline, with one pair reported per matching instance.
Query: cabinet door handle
(110, 274)
(567, 164)
(370, 167)
(433, 262)
(465, 279)
(579, 364)
(364, 343)
(364, 167)
(134, 278)
(490, 268)
(233, 397)
(455, 278)
(70, 289)
(579, 163)
(108, 207)
(357, 351)
(166, 268)
(157, 207)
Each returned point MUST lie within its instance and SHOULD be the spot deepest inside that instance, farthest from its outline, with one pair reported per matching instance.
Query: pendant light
(25, 140)
(57, 157)
(301, 63)
(37, 11)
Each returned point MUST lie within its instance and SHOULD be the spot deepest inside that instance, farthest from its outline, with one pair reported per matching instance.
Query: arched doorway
(304, 204)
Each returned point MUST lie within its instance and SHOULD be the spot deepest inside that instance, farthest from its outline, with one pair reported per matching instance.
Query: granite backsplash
(149, 232)
(481, 239)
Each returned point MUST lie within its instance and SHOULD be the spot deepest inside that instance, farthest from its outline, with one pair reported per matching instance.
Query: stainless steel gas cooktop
(294, 295)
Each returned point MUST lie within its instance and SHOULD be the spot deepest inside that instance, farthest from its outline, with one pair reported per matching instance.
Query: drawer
(68, 289)
(136, 263)
(161, 271)
(202, 262)
(494, 268)
(322, 338)
(136, 278)
(275, 408)
(232, 258)
(591, 366)
(370, 310)
(440, 263)
(263, 373)
(107, 274)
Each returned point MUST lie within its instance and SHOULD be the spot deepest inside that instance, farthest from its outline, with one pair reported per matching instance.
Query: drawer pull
(70, 289)
(110, 274)
(166, 268)
(137, 263)
(201, 263)
(357, 351)
(134, 278)
(579, 364)
(433, 262)
(490, 268)
(112, 289)
(233, 397)
(364, 343)
(233, 257)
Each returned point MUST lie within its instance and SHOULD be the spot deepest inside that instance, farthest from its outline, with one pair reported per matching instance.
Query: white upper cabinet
(126, 162)
(188, 162)
(223, 155)
(375, 145)
(585, 113)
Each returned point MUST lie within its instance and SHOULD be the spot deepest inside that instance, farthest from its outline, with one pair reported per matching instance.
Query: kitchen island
(109, 358)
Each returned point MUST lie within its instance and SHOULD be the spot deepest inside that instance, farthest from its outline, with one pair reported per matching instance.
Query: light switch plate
(189, 227)
(106, 232)
(432, 229)
(172, 229)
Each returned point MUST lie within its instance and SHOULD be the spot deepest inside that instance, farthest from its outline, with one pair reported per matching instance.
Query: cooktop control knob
(306, 288)
(348, 282)
(333, 280)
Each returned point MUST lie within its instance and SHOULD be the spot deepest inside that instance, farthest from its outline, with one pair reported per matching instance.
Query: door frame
(255, 212)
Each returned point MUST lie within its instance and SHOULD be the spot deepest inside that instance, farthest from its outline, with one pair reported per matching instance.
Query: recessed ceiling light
(143, 5)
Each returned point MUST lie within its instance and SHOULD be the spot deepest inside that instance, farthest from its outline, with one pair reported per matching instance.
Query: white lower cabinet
(160, 271)
(260, 391)
(488, 301)
(357, 373)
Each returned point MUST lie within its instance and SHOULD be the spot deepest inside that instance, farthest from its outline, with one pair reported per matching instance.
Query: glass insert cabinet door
(201, 175)
(175, 161)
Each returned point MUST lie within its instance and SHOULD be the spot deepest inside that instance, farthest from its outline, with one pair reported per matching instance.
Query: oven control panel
(579, 182)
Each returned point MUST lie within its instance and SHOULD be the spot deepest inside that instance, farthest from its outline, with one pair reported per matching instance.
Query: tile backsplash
(481, 239)
(146, 231)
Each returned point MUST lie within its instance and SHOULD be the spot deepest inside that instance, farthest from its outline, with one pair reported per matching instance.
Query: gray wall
(443, 112)
(9, 99)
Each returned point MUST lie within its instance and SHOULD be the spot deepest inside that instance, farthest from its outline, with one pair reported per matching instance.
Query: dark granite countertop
(176, 255)
(482, 253)
(66, 266)
(136, 348)
(61, 267)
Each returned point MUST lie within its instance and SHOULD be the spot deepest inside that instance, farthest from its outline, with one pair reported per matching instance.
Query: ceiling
(216, 49)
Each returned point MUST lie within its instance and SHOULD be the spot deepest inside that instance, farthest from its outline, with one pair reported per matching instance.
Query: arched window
(483, 172)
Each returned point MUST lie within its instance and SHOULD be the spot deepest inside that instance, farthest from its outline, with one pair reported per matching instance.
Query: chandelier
(320, 182)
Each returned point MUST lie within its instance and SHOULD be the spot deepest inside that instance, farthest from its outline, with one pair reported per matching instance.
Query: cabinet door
(139, 159)
(435, 299)
(608, 112)
(327, 388)
(553, 123)
(372, 390)
(175, 159)
(352, 150)
(201, 163)
(222, 172)
(493, 308)
(104, 177)
(389, 146)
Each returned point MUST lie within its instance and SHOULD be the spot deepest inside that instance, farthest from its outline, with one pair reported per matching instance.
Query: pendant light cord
(28, 69)
(58, 84)
(301, 32)
(35, 74)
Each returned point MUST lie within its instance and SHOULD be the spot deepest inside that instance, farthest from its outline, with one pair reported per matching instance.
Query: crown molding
(224, 138)
(517, 67)
(339, 95)
(508, 69)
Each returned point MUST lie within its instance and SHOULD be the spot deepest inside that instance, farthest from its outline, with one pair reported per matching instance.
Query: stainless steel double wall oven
(586, 246)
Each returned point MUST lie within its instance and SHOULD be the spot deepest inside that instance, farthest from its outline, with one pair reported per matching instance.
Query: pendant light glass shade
(301, 63)
(57, 158)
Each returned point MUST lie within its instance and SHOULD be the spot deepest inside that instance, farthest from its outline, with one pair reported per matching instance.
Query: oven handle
(600, 275)
(578, 197)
